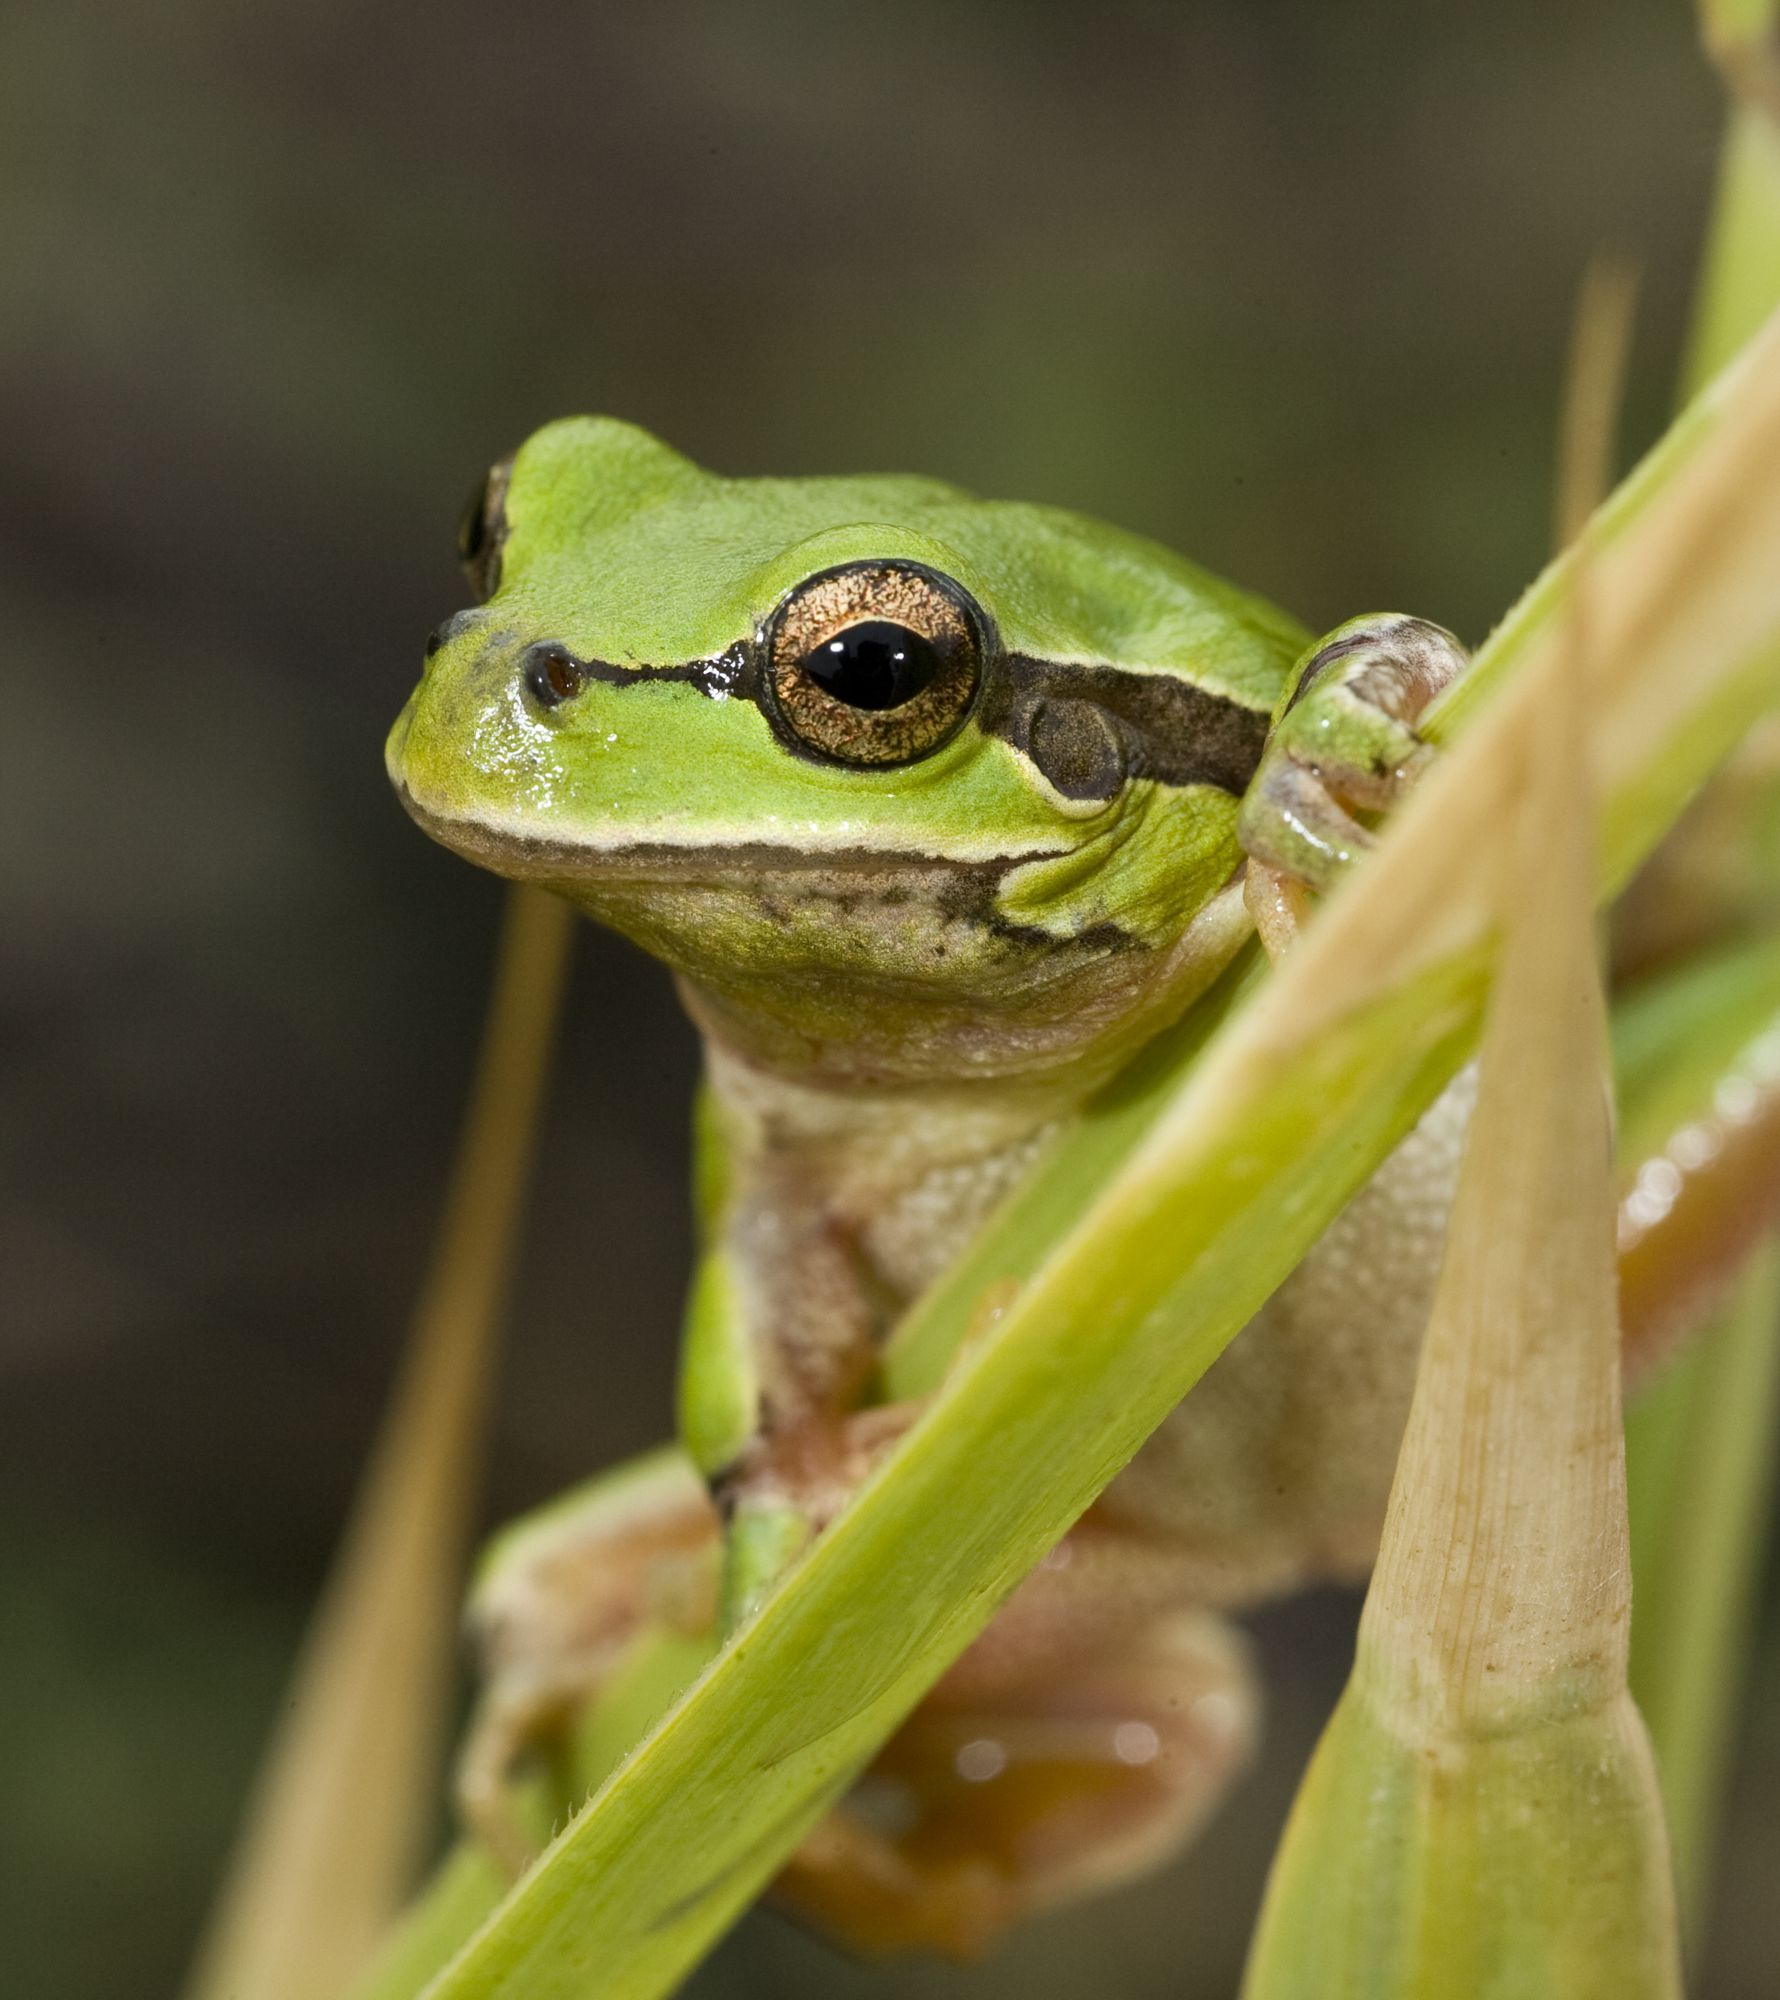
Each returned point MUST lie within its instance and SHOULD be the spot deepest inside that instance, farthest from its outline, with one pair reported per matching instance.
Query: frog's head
(893, 777)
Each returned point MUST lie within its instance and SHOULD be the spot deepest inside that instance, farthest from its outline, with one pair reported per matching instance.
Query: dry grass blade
(1482, 1815)
(1244, 1156)
(1600, 344)
(346, 1790)
(1743, 38)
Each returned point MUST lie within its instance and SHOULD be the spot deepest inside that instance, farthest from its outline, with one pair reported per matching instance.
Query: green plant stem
(1701, 1443)
(1740, 276)
(1701, 1459)
(1250, 1152)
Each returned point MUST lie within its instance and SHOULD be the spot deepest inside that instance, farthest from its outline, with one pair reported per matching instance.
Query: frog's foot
(995, 1801)
(563, 1596)
(1345, 743)
(1705, 1195)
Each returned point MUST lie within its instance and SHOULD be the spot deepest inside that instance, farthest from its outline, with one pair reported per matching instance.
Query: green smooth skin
(629, 553)
(681, 819)
(1037, 1421)
(625, 552)
(678, 810)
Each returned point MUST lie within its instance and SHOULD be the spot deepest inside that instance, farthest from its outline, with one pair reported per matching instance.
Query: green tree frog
(938, 809)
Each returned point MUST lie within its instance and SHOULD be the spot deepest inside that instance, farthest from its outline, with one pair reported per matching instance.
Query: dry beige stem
(1504, 1567)
(1505, 1562)
(1482, 1815)
(345, 1795)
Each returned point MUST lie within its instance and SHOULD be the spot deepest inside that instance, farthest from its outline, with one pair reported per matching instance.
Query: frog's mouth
(786, 886)
(523, 856)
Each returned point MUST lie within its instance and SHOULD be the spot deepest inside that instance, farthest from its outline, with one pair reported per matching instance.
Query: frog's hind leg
(1038, 1771)
(1698, 1060)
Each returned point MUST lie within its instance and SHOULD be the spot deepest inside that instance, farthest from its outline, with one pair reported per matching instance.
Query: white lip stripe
(792, 835)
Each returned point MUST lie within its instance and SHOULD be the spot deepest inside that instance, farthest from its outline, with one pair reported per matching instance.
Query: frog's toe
(1346, 742)
(500, 1735)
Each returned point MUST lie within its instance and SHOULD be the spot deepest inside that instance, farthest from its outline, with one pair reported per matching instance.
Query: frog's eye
(874, 663)
(482, 532)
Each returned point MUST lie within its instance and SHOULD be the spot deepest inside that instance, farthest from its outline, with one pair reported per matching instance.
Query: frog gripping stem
(1344, 741)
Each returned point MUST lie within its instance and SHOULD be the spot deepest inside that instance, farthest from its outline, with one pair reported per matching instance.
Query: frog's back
(680, 554)
(1063, 586)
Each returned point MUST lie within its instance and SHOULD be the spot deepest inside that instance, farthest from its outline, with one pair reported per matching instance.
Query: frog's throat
(874, 967)
(1047, 1056)
(1040, 1018)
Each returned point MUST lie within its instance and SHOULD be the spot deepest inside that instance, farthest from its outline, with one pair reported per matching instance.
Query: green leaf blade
(1281, 1117)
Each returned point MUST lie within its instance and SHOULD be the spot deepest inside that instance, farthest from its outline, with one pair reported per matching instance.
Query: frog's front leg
(779, 1351)
(1343, 741)
(776, 1356)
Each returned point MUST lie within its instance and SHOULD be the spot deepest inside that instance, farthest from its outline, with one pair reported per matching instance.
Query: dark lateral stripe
(1175, 731)
(724, 674)
(1171, 729)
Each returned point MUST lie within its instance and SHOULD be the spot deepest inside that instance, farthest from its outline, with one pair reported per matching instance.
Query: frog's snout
(441, 683)
(395, 744)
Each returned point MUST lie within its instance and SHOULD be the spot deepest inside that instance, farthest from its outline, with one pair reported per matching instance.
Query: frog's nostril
(442, 635)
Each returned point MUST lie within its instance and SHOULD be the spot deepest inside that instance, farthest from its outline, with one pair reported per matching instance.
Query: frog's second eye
(874, 663)
(482, 531)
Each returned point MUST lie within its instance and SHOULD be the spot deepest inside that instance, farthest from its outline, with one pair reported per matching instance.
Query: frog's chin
(859, 964)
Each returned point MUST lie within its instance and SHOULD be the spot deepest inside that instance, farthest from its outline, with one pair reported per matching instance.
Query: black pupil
(873, 664)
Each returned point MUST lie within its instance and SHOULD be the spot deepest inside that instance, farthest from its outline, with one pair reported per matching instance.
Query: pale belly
(1276, 1469)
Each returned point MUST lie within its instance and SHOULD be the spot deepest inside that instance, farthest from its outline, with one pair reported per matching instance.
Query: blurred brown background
(1286, 286)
